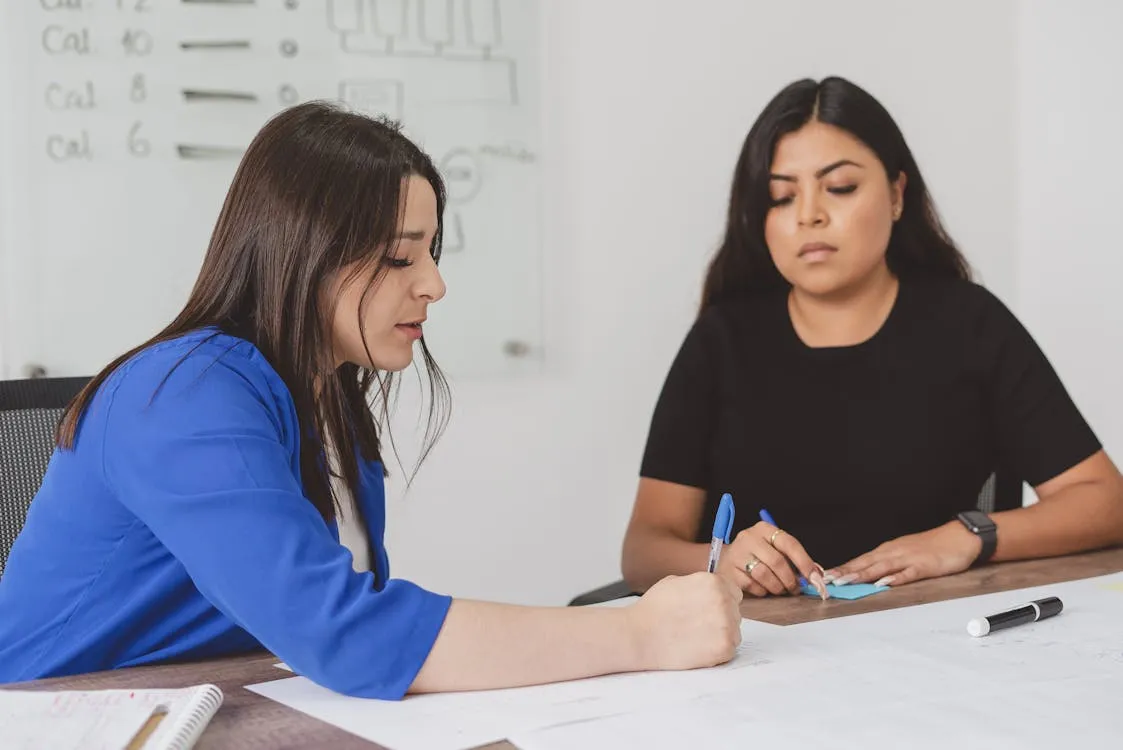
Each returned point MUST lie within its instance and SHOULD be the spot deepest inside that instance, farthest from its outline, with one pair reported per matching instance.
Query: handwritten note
(104, 719)
(69, 721)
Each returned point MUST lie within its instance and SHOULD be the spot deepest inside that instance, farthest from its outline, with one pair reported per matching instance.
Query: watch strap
(987, 534)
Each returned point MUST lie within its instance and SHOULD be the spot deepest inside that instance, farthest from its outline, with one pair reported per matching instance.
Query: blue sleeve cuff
(429, 618)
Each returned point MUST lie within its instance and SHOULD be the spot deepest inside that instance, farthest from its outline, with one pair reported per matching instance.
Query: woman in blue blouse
(190, 508)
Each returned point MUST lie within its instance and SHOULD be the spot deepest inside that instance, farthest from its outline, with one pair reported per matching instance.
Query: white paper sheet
(904, 677)
(1027, 716)
(452, 721)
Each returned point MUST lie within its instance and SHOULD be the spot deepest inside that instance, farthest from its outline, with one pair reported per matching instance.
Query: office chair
(29, 411)
(999, 492)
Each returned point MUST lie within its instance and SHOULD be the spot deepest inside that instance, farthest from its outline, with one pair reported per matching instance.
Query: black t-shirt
(849, 447)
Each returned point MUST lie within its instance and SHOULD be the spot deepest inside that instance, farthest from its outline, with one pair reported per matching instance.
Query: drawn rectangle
(345, 15)
(482, 17)
(389, 18)
(373, 97)
(468, 81)
(435, 21)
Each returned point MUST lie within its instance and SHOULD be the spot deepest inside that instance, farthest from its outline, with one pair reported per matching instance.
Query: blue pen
(767, 518)
(723, 527)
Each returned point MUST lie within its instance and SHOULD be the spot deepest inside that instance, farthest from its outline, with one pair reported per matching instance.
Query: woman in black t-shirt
(846, 374)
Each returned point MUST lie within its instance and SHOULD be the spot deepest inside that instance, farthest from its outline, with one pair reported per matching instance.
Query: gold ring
(776, 533)
(752, 563)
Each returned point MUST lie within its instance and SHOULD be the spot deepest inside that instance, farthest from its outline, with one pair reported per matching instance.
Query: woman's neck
(847, 317)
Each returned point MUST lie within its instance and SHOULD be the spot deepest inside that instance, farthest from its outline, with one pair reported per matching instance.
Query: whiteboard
(127, 119)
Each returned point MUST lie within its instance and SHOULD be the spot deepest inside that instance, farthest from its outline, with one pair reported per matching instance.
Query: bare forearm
(651, 554)
(1083, 517)
(484, 645)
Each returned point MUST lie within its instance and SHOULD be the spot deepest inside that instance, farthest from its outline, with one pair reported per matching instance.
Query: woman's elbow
(354, 685)
(352, 678)
(1115, 495)
(633, 568)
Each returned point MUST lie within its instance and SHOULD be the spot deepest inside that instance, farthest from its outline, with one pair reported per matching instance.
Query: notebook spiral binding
(201, 712)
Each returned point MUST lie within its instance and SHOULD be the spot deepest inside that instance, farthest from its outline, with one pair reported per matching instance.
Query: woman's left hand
(941, 551)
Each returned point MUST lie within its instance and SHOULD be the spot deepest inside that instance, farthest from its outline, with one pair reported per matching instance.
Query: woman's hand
(941, 551)
(686, 622)
(760, 559)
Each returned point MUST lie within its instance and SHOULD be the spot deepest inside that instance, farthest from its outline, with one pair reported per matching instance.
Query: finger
(908, 575)
(736, 576)
(860, 563)
(764, 575)
(755, 588)
(733, 590)
(794, 551)
(880, 570)
(758, 541)
(816, 579)
(743, 550)
(735, 614)
(780, 566)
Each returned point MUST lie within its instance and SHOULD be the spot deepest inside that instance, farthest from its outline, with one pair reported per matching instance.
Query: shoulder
(963, 321)
(201, 374)
(958, 304)
(749, 321)
(969, 297)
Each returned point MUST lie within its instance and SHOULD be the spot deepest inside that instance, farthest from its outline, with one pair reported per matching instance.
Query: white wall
(1070, 262)
(527, 496)
(647, 104)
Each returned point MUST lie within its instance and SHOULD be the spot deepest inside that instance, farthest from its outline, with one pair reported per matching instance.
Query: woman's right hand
(686, 622)
(759, 560)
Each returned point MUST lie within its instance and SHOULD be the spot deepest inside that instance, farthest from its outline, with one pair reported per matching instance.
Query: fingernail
(830, 577)
(820, 586)
(886, 581)
(846, 579)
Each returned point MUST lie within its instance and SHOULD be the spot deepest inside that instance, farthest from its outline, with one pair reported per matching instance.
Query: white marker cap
(978, 627)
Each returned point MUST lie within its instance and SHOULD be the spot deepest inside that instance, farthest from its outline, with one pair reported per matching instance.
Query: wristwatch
(980, 524)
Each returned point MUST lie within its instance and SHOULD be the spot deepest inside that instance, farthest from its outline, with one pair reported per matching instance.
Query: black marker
(1032, 612)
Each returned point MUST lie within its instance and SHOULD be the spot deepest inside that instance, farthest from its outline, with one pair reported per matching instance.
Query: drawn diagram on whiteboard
(463, 181)
(452, 42)
(429, 53)
(374, 96)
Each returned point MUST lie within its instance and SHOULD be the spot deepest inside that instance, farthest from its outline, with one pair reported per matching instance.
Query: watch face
(977, 521)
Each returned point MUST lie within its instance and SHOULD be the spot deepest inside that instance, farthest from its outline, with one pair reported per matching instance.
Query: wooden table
(248, 721)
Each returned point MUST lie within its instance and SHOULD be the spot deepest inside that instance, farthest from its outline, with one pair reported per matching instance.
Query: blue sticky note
(849, 591)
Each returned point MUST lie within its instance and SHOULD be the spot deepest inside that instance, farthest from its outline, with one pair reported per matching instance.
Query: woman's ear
(897, 191)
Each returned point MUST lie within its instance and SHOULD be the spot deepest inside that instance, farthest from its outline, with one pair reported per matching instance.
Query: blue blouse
(177, 528)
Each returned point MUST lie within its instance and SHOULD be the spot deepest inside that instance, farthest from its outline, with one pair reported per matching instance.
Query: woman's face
(832, 210)
(392, 310)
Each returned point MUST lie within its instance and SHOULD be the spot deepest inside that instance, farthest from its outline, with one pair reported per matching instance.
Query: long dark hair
(918, 245)
(318, 189)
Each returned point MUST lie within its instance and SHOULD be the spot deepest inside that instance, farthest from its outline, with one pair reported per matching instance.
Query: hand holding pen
(762, 559)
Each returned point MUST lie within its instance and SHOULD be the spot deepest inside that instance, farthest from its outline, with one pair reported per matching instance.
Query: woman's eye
(844, 190)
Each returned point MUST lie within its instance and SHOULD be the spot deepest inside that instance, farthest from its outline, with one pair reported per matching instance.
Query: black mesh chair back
(29, 411)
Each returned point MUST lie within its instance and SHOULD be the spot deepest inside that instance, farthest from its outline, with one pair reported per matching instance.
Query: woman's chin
(393, 361)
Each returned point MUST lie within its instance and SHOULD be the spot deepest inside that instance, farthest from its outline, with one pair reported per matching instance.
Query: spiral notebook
(107, 719)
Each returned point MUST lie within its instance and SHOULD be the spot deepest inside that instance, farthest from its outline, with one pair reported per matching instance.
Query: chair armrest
(614, 590)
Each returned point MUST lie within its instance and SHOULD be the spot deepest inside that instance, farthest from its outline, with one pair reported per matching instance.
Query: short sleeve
(1040, 431)
(201, 461)
(682, 425)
